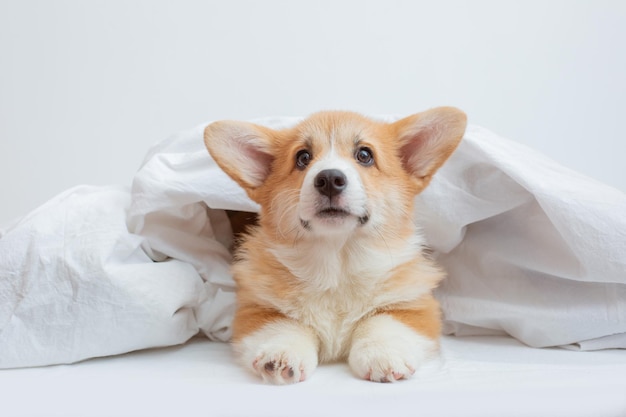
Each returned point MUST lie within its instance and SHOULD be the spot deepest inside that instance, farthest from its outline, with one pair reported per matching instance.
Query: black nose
(330, 182)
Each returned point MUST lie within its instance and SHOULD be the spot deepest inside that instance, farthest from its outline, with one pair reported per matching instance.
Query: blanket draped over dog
(531, 249)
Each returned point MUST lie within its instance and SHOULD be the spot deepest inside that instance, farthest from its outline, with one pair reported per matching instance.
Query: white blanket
(532, 249)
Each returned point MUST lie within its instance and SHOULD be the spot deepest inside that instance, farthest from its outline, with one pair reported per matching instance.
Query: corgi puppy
(335, 268)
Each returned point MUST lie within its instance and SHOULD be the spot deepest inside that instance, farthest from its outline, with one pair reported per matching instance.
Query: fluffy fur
(334, 269)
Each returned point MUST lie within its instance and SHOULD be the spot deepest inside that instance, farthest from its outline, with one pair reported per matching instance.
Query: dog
(335, 268)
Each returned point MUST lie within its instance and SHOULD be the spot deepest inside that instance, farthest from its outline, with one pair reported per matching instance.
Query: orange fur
(424, 317)
(327, 275)
(250, 317)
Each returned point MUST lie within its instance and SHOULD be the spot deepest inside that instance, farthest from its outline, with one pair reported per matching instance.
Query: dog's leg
(392, 344)
(280, 351)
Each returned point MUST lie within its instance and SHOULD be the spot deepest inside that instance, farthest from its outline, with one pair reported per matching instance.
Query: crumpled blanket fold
(532, 249)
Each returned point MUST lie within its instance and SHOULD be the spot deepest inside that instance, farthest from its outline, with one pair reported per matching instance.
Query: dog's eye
(303, 158)
(364, 156)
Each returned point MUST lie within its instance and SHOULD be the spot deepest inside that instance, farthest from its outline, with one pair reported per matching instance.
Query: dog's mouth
(336, 213)
(333, 213)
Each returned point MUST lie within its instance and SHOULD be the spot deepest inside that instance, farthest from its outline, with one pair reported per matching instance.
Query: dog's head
(336, 172)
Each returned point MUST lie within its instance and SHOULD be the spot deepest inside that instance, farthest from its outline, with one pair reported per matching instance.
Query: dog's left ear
(242, 150)
(427, 139)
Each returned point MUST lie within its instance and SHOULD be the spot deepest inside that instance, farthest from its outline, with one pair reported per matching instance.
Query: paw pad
(278, 371)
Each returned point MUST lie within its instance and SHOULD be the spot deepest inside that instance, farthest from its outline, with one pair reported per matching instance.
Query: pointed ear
(427, 139)
(242, 150)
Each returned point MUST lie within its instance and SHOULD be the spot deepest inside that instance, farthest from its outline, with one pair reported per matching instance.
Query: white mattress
(477, 376)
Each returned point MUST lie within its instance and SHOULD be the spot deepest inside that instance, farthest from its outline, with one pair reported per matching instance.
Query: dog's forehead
(334, 128)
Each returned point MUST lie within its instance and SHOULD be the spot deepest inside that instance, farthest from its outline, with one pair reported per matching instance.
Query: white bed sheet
(112, 297)
(477, 376)
(532, 250)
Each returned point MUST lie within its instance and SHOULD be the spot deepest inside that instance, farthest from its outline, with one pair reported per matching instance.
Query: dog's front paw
(280, 353)
(281, 366)
(385, 350)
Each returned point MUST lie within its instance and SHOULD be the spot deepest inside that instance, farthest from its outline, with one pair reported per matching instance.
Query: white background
(87, 86)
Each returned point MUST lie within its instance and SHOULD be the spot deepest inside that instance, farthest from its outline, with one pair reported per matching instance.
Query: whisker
(382, 237)
(282, 204)
(296, 238)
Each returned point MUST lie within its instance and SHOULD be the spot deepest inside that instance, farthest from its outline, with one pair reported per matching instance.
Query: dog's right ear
(242, 150)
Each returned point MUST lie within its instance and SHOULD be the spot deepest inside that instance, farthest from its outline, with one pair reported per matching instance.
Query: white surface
(531, 249)
(483, 377)
(86, 87)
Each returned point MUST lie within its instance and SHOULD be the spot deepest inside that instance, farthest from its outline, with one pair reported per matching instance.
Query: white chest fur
(340, 283)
